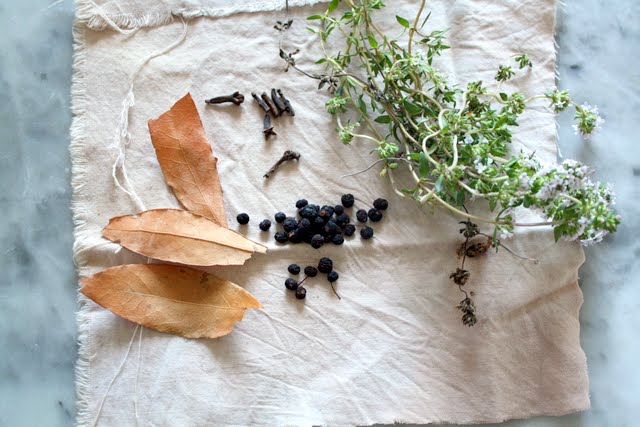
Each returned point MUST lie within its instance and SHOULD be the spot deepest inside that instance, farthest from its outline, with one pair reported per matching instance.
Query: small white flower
(594, 238)
(479, 165)
(505, 234)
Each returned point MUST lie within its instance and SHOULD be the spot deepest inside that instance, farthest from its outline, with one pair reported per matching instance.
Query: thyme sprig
(456, 140)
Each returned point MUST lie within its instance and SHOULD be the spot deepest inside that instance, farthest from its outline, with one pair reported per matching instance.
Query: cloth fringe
(82, 236)
(93, 16)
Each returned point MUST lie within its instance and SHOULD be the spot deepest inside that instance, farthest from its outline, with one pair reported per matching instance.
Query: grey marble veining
(598, 61)
(37, 284)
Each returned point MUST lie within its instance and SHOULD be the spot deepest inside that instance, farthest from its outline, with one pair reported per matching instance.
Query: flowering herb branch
(454, 140)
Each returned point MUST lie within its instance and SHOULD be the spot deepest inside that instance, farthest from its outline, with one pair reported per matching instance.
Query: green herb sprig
(454, 140)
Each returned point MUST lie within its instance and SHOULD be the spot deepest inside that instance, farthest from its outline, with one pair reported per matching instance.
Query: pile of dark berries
(318, 225)
(325, 266)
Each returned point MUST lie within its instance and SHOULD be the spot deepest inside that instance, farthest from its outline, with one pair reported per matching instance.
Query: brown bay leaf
(187, 160)
(170, 298)
(180, 236)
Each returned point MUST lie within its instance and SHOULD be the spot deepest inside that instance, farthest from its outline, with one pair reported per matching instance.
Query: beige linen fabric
(393, 349)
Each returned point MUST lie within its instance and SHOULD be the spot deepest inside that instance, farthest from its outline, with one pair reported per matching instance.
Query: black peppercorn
(366, 233)
(325, 265)
(361, 215)
(380, 204)
(294, 269)
(319, 222)
(338, 239)
(374, 215)
(291, 284)
(290, 224)
(310, 271)
(295, 236)
(308, 212)
(301, 292)
(330, 228)
(301, 203)
(347, 200)
(326, 211)
(317, 241)
(338, 209)
(342, 220)
(242, 218)
(281, 237)
(333, 276)
(280, 217)
(304, 224)
(265, 225)
(349, 230)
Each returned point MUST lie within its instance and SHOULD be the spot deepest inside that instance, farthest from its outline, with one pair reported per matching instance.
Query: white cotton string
(122, 136)
(113, 25)
(113, 380)
(135, 389)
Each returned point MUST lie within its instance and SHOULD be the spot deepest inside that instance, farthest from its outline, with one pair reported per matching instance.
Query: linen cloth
(393, 349)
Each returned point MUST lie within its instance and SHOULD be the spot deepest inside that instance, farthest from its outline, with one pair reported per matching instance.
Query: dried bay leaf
(180, 236)
(187, 160)
(169, 298)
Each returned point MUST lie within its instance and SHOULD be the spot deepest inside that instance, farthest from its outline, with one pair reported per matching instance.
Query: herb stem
(413, 29)
(395, 159)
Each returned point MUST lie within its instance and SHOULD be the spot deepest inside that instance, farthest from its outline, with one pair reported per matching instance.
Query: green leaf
(439, 184)
(425, 20)
(460, 198)
(372, 41)
(403, 21)
(557, 232)
(313, 17)
(347, 15)
(321, 61)
(492, 204)
(411, 108)
(383, 120)
(504, 96)
(424, 165)
(333, 4)
(361, 105)
(528, 201)
(311, 30)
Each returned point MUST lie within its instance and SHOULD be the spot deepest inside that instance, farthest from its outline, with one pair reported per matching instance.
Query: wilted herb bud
(469, 309)
(469, 319)
(470, 229)
(478, 248)
(460, 276)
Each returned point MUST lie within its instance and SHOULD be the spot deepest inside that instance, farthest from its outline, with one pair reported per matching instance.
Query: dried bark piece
(180, 236)
(169, 298)
(187, 160)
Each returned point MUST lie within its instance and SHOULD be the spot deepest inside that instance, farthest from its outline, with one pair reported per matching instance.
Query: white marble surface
(598, 61)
